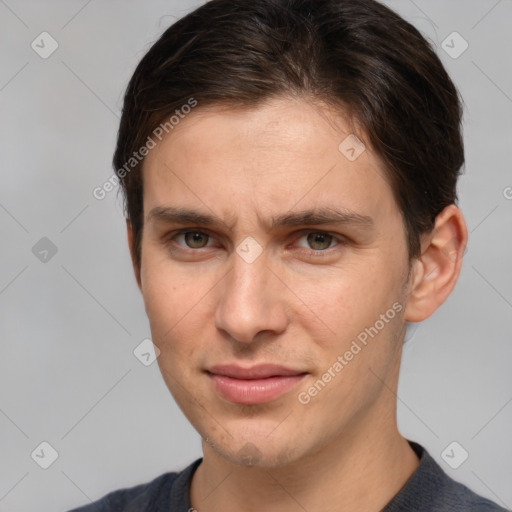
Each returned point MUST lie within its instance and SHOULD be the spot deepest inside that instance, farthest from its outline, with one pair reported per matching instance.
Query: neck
(362, 470)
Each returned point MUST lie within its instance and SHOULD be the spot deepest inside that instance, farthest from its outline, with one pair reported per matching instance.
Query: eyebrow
(311, 217)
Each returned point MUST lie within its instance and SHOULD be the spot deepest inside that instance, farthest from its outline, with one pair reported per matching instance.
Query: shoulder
(158, 494)
(456, 497)
(124, 500)
(430, 489)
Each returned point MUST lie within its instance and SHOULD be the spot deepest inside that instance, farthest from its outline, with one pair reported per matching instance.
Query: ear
(136, 268)
(436, 271)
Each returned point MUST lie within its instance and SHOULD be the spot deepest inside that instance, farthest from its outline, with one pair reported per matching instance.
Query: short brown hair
(352, 53)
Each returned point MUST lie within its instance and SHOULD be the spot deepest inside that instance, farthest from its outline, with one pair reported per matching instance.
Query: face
(277, 329)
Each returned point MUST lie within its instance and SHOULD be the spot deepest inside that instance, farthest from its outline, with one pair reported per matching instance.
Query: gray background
(68, 375)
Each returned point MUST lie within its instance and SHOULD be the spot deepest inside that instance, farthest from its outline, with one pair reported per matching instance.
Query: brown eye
(195, 239)
(319, 241)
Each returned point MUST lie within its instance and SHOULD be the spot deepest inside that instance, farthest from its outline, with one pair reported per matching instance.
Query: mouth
(255, 385)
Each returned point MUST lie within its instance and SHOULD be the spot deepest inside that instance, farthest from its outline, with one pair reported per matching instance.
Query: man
(289, 170)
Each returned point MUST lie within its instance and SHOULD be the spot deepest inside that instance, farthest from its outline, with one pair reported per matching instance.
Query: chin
(258, 453)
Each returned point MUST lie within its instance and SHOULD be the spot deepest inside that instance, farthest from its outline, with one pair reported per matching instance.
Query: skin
(207, 305)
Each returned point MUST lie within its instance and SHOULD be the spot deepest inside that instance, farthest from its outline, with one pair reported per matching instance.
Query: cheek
(345, 301)
(165, 298)
(160, 299)
(164, 286)
(176, 303)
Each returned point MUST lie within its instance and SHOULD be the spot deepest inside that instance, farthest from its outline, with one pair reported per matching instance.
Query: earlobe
(437, 269)
(136, 268)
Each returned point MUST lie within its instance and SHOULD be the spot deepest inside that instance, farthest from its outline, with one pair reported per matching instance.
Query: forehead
(274, 158)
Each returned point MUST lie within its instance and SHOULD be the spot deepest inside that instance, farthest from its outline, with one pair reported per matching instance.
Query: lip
(260, 371)
(255, 385)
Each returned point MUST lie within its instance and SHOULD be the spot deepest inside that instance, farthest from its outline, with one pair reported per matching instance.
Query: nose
(251, 300)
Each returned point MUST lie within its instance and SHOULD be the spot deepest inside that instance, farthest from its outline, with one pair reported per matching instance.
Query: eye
(320, 241)
(317, 242)
(193, 239)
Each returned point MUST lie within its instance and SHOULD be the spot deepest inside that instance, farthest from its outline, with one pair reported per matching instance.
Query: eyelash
(341, 241)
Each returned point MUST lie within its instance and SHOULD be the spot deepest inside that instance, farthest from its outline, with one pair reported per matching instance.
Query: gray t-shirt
(428, 489)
